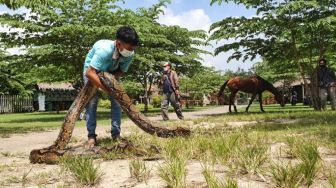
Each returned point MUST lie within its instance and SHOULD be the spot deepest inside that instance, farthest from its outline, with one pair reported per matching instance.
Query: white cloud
(220, 61)
(156, 1)
(198, 19)
(7, 29)
(192, 19)
(16, 51)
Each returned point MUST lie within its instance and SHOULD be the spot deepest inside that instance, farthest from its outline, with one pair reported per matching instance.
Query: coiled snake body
(52, 153)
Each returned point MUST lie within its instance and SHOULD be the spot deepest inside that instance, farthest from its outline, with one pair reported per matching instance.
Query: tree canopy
(57, 35)
(289, 33)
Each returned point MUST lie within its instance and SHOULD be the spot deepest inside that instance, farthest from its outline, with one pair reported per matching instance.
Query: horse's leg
(260, 101)
(232, 97)
(252, 99)
(235, 107)
(230, 103)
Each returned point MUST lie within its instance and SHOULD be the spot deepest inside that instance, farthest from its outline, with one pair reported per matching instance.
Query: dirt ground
(17, 171)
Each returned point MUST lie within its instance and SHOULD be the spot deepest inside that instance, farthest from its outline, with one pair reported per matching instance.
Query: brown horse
(254, 85)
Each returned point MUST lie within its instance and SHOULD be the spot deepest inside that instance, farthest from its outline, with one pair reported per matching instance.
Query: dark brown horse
(254, 85)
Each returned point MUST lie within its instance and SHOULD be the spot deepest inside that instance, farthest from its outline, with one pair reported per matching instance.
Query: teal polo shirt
(104, 56)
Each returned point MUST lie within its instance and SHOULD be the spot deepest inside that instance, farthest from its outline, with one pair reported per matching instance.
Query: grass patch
(307, 164)
(307, 153)
(231, 183)
(332, 177)
(177, 151)
(286, 175)
(249, 157)
(43, 178)
(173, 172)
(23, 180)
(210, 178)
(21, 123)
(242, 150)
(134, 146)
(139, 170)
(83, 169)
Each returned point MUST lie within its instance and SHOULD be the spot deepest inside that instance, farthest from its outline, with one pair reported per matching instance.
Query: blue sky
(215, 12)
(196, 14)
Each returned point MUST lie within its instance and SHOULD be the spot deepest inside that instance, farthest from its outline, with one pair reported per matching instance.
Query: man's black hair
(128, 35)
(324, 60)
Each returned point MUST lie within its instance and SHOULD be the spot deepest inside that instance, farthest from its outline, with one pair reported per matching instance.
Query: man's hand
(91, 74)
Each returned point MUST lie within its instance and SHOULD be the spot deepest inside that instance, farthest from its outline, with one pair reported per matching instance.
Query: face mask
(126, 53)
(322, 66)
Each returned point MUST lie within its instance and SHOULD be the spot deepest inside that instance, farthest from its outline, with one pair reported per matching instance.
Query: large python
(52, 153)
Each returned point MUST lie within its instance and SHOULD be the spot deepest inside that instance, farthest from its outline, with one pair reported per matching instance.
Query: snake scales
(52, 153)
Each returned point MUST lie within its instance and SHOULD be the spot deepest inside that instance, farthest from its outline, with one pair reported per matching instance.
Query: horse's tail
(220, 93)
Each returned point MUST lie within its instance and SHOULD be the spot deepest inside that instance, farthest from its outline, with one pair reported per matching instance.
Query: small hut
(296, 85)
(54, 96)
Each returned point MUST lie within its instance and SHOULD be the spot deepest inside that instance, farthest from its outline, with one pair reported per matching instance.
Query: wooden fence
(15, 103)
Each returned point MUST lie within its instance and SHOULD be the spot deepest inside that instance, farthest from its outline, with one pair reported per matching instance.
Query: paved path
(24, 143)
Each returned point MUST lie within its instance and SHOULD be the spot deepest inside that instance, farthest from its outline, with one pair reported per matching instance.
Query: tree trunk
(145, 94)
(310, 90)
(146, 101)
(148, 79)
(315, 98)
(148, 92)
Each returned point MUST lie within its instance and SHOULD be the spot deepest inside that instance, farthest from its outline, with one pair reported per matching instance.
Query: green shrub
(156, 101)
(142, 106)
(104, 103)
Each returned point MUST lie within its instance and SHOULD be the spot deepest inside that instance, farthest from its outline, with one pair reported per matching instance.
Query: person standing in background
(326, 82)
(170, 87)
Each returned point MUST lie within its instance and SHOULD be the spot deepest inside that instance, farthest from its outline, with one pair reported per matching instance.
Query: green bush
(156, 101)
(142, 106)
(107, 104)
(104, 103)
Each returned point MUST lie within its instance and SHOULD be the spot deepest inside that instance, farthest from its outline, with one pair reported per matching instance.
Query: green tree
(10, 81)
(283, 32)
(58, 34)
(275, 72)
(57, 37)
(206, 81)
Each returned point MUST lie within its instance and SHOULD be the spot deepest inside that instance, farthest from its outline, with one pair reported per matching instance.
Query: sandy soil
(16, 171)
(14, 162)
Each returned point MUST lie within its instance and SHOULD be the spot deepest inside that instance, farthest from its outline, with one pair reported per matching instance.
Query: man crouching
(114, 57)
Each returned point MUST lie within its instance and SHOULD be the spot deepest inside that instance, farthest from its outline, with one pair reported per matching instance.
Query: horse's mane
(269, 85)
(262, 79)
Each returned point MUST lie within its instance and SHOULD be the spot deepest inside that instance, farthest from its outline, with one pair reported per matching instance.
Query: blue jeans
(91, 116)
